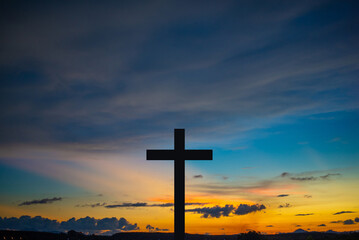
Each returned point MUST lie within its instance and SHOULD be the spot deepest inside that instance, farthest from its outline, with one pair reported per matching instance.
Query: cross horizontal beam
(185, 155)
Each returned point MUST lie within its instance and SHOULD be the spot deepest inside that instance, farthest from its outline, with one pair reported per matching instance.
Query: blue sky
(271, 87)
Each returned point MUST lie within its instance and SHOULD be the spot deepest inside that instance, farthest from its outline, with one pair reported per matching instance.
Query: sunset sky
(271, 86)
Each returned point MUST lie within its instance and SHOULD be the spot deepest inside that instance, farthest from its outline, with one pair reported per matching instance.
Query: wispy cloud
(342, 212)
(93, 205)
(40, 201)
(304, 214)
(287, 205)
(339, 221)
(144, 204)
(303, 178)
(308, 178)
(283, 195)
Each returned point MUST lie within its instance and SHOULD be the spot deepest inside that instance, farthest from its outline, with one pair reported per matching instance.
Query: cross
(179, 155)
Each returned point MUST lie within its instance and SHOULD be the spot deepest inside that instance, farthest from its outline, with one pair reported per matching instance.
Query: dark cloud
(41, 201)
(304, 214)
(153, 229)
(91, 205)
(342, 212)
(218, 211)
(348, 222)
(269, 226)
(287, 205)
(149, 228)
(308, 196)
(283, 195)
(285, 174)
(86, 225)
(138, 204)
(322, 225)
(198, 176)
(243, 209)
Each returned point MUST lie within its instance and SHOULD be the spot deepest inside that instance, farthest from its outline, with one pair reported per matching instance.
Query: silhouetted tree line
(252, 235)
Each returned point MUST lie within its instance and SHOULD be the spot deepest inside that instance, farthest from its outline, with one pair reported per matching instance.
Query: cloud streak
(144, 204)
(93, 205)
(342, 212)
(304, 214)
(283, 195)
(40, 201)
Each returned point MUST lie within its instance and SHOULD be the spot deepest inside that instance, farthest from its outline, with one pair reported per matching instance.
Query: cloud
(41, 201)
(356, 219)
(303, 178)
(92, 96)
(153, 229)
(336, 221)
(287, 205)
(329, 175)
(348, 222)
(283, 195)
(308, 196)
(312, 178)
(149, 228)
(215, 212)
(86, 225)
(143, 204)
(91, 205)
(138, 204)
(198, 176)
(342, 212)
(243, 209)
(218, 211)
(304, 214)
(322, 225)
(309, 178)
(161, 229)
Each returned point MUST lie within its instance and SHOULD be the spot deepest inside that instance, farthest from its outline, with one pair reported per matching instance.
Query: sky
(270, 86)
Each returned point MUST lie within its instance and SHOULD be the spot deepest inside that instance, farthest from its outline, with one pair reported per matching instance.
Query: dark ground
(72, 235)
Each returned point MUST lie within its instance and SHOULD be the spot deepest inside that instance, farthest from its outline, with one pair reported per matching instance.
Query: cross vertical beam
(179, 172)
(179, 155)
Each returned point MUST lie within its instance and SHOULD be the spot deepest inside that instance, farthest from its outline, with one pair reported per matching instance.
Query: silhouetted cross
(179, 155)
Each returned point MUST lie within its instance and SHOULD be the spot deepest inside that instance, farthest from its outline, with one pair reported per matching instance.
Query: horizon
(270, 87)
